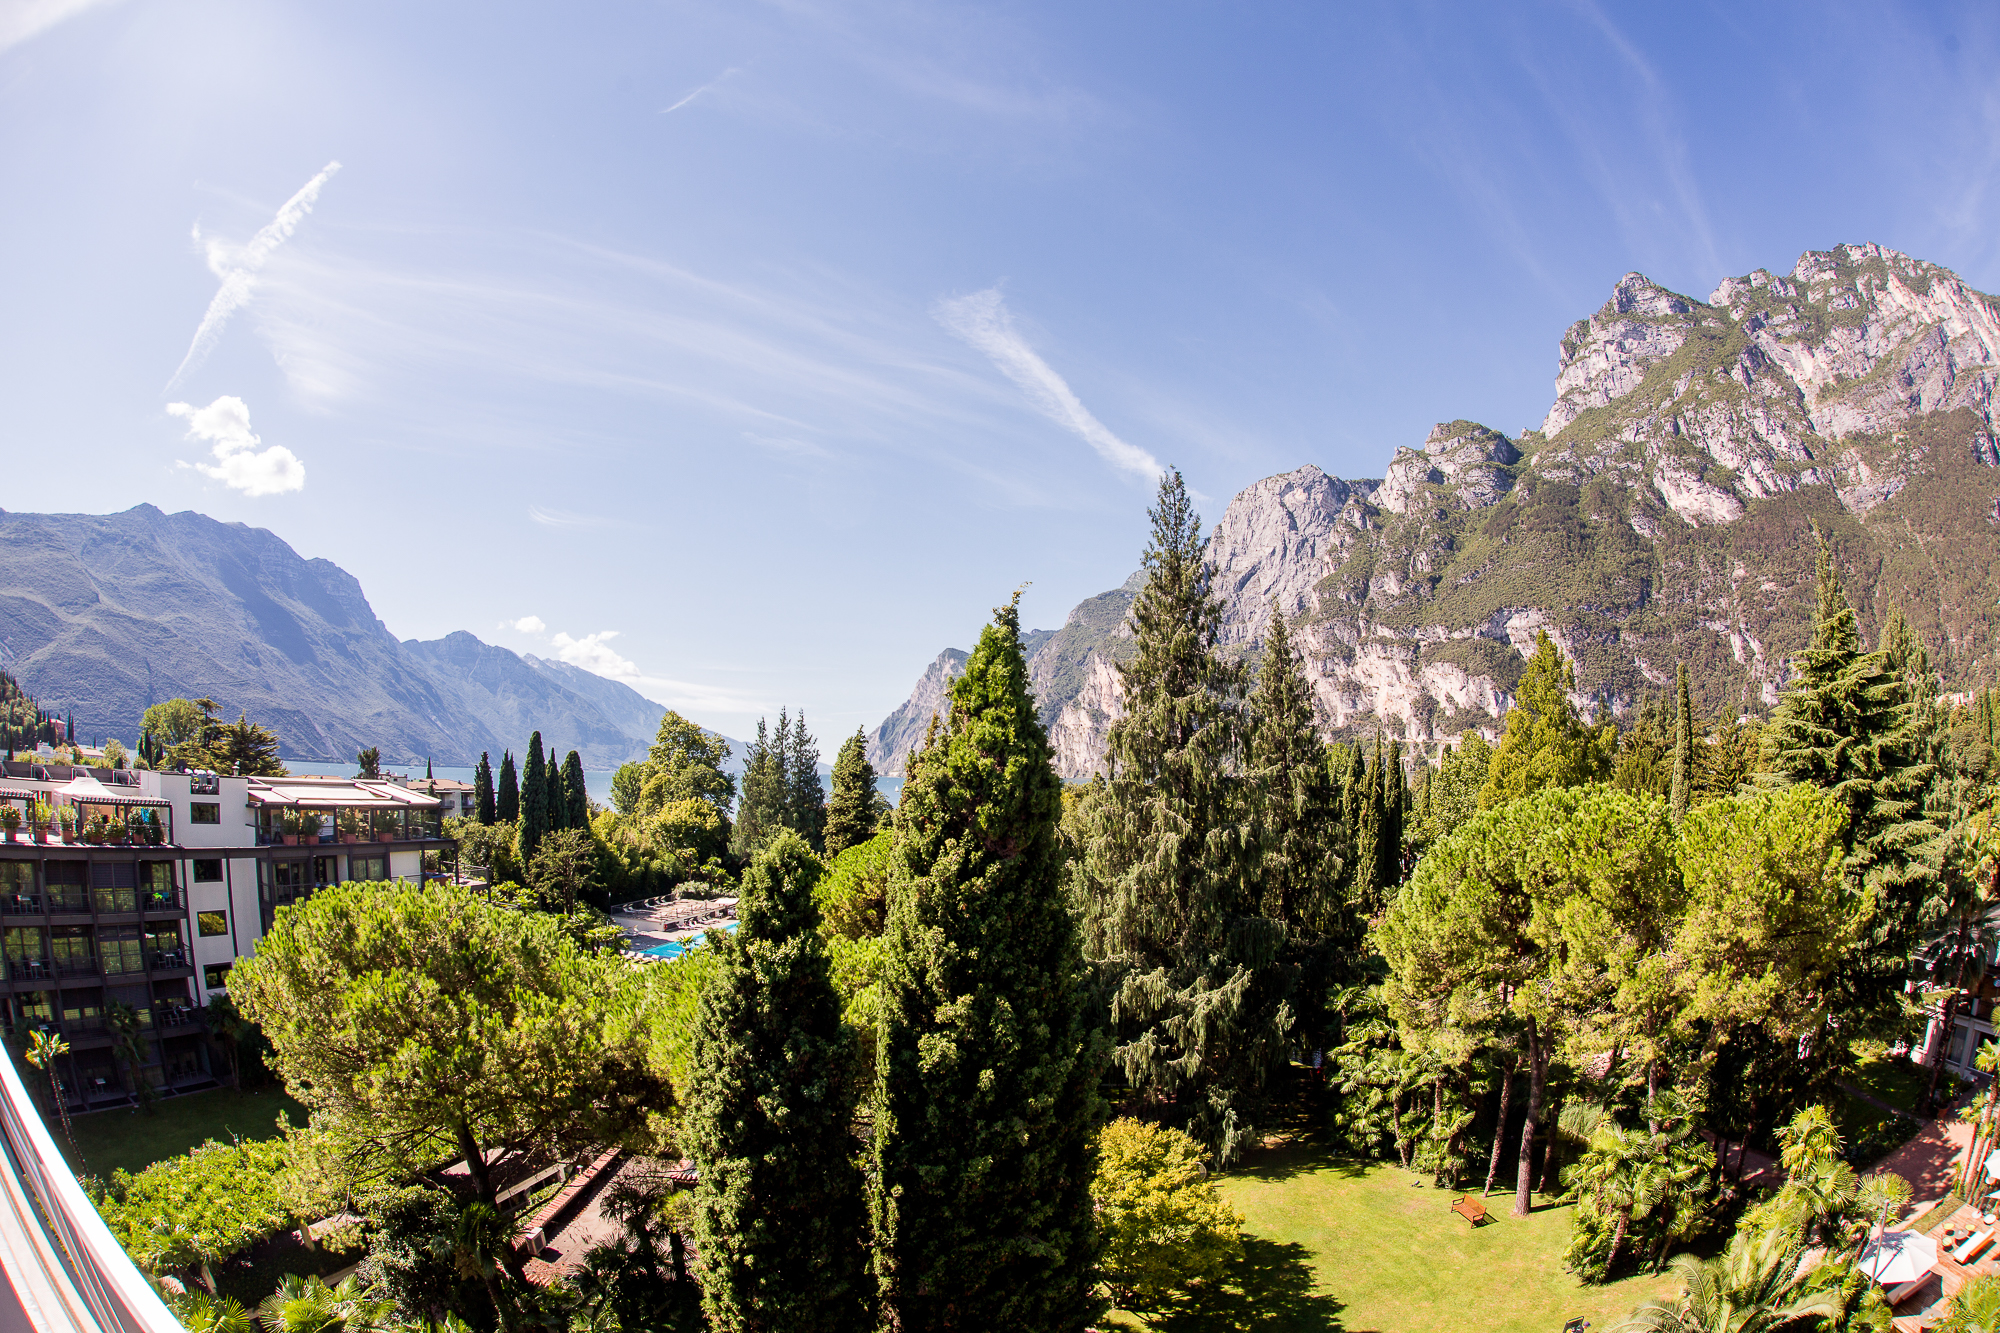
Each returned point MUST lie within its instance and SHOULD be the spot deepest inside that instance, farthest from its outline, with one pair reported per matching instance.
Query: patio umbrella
(1993, 1165)
(1896, 1257)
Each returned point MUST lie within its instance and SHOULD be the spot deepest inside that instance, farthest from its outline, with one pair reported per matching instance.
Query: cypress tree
(1683, 744)
(534, 800)
(482, 790)
(507, 805)
(780, 1213)
(554, 797)
(428, 775)
(805, 798)
(576, 793)
(986, 1084)
(1846, 725)
(850, 815)
(1395, 812)
(1369, 835)
(1170, 859)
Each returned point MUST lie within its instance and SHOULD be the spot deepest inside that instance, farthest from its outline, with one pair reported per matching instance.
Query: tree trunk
(1438, 1145)
(677, 1249)
(1500, 1129)
(1552, 1150)
(1617, 1241)
(1538, 1072)
(475, 1165)
(1943, 1044)
(1396, 1123)
(1652, 1090)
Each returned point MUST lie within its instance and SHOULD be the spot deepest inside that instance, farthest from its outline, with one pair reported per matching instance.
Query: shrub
(1163, 1224)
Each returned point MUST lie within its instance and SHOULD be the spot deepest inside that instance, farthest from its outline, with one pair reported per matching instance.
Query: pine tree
(1846, 725)
(780, 1213)
(986, 1085)
(576, 793)
(1371, 838)
(1546, 744)
(1299, 826)
(1170, 859)
(1683, 744)
(534, 801)
(482, 790)
(507, 805)
(555, 797)
(850, 815)
(805, 798)
(760, 812)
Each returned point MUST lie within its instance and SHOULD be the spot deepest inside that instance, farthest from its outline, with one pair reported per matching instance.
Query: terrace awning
(347, 795)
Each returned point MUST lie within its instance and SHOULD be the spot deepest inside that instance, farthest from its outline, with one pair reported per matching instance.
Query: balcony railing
(66, 1272)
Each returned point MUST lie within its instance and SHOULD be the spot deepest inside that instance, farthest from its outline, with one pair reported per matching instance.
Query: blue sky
(752, 351)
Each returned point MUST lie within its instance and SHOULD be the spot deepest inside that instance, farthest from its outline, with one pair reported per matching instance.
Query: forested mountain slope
(1663, 512)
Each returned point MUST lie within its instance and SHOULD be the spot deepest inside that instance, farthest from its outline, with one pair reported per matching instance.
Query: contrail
(238, 268)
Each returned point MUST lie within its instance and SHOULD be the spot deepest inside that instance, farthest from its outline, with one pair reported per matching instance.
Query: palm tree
(176, 1246)
(44, 1049)
(308, 1305)
(232, 1029)
(1755, 1286)
(1882, 1196)
(1976, 1308)
(200, 1312)
(129, 1048)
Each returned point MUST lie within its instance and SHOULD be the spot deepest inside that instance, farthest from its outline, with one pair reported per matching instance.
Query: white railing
(68, 1272)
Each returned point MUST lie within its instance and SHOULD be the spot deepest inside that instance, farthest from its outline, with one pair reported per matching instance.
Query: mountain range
(103, 615)
(1664, 511)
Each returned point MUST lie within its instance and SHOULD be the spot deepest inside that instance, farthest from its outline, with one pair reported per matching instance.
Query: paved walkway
(1929, 1160)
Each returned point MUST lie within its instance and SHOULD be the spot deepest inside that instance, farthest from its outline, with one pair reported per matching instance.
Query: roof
(367, 793)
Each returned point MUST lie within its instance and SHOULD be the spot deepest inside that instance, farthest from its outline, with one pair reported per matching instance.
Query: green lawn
(1340, 1245)
(1896, 1082)
(107, 1141)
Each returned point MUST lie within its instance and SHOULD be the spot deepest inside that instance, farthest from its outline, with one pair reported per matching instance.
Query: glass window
(205, 812)
(71, 948)
(213, 923)
(208, 871)
(216, 976)
(157, 876)
(120, 948)
(367, 868)
(33, 1007)
(17, 876)
(324, 871)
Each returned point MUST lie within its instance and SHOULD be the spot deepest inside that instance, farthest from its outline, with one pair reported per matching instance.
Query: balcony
(61, 1259)
(29, 969)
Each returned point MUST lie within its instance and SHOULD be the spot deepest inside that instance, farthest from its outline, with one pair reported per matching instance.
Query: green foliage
(424, 1022)
(627, 783)
(1976, 1308)
(851, 814)
(685, 764)
(507, 804)
(368, 763)
(201, 1207)
(1683, 771)
(534, 822)
(576, 793)
(1638, 1191)
(779, 1213)
(986, 1085)
(1199, 986)
(491, 848)
(1164, 1227)
(308, 1305)
(853, 899)
(484, 809)
(781, 787)
(1755, 1286)
(670, 1001)
(1451, 795)
(1546, 745)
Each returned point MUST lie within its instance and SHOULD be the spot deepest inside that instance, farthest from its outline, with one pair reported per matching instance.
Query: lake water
(596, 781)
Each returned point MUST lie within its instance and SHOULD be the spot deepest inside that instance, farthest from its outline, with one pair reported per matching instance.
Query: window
(216, 976)
(213, 923)
(205, 812)
(367, 868)
(119, 949)
(34, 1007)
(208, 871)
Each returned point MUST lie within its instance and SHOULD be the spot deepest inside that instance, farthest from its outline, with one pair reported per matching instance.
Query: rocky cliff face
(106, 614)
(1663, 513)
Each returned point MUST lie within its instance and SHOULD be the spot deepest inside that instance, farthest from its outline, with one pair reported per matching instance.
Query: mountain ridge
(1664, 511)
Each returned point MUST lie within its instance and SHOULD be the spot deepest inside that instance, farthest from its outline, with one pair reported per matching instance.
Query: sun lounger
(1973, 1248)
(1469, 1208)
(1907, 1290)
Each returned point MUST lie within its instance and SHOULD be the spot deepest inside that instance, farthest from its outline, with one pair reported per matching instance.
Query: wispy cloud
(239, 464)
(593, 652)
(983, 321)
(527, 625)
(22, 19)
(718, 79)
(238, 266)
(565, 520)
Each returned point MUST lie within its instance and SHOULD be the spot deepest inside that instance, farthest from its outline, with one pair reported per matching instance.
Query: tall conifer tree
(1174, 915)
(557, 798)
(850, 814)
(760, 812)
(534, 800)
(1847, 725)
(1683, 745)
(576, 792)
(507, 803)
(805, 798)
(483, 807)
(780, 1213)
(986, 1084)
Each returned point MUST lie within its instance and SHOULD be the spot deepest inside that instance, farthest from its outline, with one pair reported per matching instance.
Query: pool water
(675, 948)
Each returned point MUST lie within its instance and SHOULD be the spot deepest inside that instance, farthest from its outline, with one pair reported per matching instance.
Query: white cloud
(237, 267)
(983, 321)
(667, 111)
(239, 464)
(593, 653)
(526, 625)
(22, 19)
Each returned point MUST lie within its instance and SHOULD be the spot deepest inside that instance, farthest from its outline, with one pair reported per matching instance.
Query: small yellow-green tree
(1546, 744)
(1163, 1224)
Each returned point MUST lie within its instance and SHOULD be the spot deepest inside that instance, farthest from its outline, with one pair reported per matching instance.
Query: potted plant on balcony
(385, 826)
(96, 829)
(350, 826)
(10, 820)
(66, 822)
(117, 831)
(155, 834)
(288, 825)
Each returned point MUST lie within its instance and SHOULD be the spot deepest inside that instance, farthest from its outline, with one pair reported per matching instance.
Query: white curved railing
(67, 1271)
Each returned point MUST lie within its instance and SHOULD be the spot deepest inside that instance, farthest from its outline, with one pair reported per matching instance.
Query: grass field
(108, 1141)
(1331, 1245)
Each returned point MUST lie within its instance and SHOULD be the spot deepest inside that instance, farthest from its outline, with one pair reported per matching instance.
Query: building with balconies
(137, 891)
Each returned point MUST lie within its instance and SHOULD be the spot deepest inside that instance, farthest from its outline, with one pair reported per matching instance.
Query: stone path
(1928, 1160)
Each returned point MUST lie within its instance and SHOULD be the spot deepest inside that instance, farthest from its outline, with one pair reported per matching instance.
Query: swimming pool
(675, 948)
